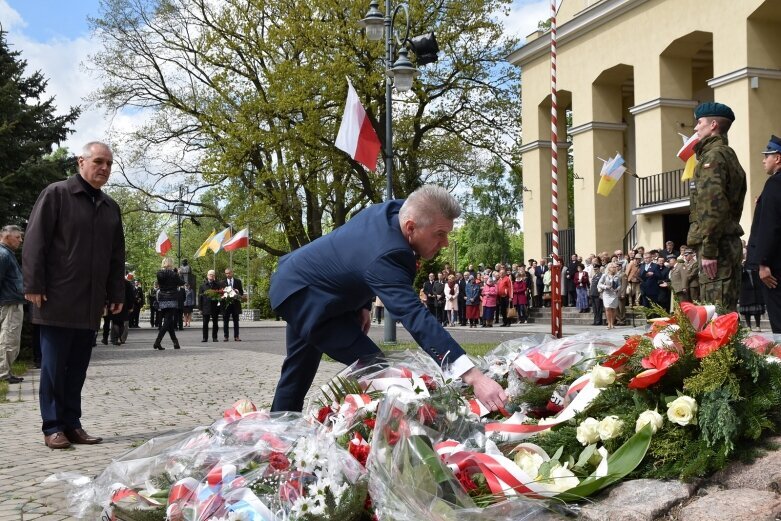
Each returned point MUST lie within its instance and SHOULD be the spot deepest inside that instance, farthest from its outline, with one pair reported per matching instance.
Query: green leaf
(585, 456)
(620, 463)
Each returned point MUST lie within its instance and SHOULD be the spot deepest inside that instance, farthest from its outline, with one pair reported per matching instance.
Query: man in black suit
(763, 252)
(232, 310)
(431, 297)
(138, 301)
(439, 295)
(461, 280)
(572, 269)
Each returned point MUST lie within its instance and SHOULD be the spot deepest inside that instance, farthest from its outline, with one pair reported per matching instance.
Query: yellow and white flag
(218, 240)
(205, 246)
(612, 170)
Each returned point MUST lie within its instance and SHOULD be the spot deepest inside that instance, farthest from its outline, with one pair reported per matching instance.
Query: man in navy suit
(650, 276)
(324, 290)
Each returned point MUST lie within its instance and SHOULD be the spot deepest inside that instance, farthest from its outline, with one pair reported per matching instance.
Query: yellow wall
(598, 67)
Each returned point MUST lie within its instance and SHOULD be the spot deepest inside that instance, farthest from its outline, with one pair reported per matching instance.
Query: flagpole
(249, 284)
(556, 326)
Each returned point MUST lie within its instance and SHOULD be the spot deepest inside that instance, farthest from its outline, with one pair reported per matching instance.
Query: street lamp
(399, 74)
(179, 210)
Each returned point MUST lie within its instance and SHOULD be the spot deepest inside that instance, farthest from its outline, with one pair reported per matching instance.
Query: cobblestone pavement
(134, 393)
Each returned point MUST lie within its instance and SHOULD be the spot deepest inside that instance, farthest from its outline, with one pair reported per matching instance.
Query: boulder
(637, 500)
(738, 504)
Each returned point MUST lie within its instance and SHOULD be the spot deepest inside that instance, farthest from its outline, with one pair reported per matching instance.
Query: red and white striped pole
(556, 326)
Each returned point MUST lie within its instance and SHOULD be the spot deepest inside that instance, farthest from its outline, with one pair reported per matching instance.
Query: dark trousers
(462, 311)
(504, 303)
(168, 323)
(231, 312)
(520, 310)
(214, 318)
(303, 355)
(134, 315)
(113, 325)
(65, 355)
(36, 341)
(180, 319)
(573, 296)
(598, 306)
(773, 303)
(154, 317)
(379, 312)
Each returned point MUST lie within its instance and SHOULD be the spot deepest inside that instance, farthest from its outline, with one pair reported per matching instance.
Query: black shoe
(159, 347)
(176, 346)
(215, 339)
(205, 340)
(104, 341)
(225, 339)
(14, 379)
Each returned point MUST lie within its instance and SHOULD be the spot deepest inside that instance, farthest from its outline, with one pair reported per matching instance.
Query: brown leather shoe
(56, 441)
(80, 436)
(237, 339)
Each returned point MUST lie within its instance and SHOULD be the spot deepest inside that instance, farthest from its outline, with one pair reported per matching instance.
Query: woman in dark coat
(168, 302)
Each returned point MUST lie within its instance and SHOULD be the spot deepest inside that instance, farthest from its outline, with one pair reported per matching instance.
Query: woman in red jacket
(519, 294)
(489, 302)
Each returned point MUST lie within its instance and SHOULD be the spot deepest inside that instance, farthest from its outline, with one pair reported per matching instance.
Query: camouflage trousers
(725, 288)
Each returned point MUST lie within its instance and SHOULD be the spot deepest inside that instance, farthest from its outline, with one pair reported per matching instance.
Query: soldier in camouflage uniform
(718, 189)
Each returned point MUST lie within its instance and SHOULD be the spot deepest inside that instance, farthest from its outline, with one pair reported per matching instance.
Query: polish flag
(240, 240)
(687, 150)
(163, 243)
(356, 135)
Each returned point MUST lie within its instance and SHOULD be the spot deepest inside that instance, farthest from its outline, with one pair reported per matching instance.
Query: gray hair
(86, 150)
(167, 263)
(9, 229)
(426, 202)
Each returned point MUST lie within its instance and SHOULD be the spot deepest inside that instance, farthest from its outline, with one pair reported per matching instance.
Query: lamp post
(179, 210)
(400, 74)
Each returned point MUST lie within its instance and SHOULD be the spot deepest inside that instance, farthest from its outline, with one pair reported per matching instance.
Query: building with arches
(630, 73)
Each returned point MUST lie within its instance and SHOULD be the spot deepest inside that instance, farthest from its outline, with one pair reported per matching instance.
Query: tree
(249, 94)
(28, 130)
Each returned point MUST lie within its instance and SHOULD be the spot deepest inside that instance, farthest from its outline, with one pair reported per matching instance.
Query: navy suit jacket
(650, 285)
(764, 248)
(339, 273)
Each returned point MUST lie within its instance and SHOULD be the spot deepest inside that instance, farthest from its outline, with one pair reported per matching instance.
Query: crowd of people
(602, 284)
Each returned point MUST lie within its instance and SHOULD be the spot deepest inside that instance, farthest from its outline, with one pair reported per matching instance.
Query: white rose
(529, 462)
(587, 432)
(610, 427)
(654, 418)
(682, 410)
(602, 376)
(562, 479)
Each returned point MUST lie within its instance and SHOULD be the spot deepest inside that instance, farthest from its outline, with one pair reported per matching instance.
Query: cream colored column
(602, 219)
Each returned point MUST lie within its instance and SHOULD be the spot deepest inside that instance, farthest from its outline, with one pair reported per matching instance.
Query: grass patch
(19, 368)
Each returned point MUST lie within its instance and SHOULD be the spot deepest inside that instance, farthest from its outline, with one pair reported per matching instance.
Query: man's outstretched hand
(486, 390)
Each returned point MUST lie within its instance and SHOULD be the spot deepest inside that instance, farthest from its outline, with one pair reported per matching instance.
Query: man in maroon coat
(73, 262)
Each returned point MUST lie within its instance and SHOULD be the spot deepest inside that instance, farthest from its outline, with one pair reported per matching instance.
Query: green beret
(713, 109)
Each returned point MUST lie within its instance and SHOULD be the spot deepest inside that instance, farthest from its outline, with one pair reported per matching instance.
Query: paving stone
(637, 500)
(740, 504)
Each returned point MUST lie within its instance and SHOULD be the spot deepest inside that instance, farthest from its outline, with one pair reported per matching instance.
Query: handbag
(512, 313)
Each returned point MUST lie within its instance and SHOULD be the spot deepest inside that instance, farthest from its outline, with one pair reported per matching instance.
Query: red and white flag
(163, 243)
(356, 135)
(240, 240)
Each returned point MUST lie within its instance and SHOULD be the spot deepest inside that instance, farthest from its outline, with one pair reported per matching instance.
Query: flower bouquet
(248, 465)
(225, 296)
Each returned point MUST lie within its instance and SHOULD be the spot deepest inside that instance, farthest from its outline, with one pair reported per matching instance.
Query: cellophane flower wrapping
(261, 466)
(409, 479)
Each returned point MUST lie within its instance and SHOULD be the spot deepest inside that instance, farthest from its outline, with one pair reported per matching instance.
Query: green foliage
(718, 421)
(254, 90)
(29, 128)
(716, 370)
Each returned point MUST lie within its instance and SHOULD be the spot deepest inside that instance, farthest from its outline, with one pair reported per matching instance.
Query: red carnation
(323, 413)
(370, 422)
(359, 451)
(466, 481)
(427, 413)
(278, 461)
